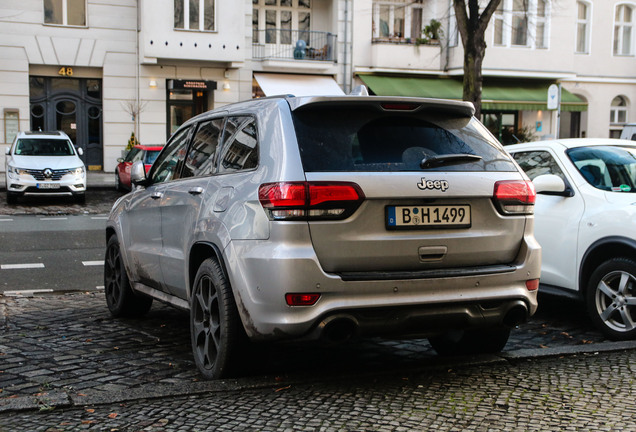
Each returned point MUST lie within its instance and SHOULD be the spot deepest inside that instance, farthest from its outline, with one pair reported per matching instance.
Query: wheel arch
(199, 253)
(600, 251)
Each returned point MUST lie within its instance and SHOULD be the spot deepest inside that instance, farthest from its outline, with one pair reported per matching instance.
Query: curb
(60, 399)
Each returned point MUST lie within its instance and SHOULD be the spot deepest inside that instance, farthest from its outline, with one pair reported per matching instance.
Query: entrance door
(73, 106)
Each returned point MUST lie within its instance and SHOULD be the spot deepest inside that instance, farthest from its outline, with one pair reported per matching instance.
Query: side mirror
(550, 184)
(137, 173)
(80, 151)
(120, 160)
(7, 150)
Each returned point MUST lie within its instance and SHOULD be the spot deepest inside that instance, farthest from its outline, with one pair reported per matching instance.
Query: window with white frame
(624, 30)
(65, 12)
(199, 15)
(523, 23)
(583, 23)
(405, 20)
(275, 21)
(618, 111)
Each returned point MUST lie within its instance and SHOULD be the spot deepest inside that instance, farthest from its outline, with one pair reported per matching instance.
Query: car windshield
(607, 167)
(43, 147)
(366, 140)
(151, 156)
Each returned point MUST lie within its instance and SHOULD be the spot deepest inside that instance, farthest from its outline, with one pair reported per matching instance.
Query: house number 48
(65, 71)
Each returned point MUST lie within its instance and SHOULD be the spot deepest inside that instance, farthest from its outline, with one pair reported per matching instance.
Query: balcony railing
(293, 45)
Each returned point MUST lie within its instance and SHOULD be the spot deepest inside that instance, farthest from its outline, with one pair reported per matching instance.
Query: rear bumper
(425, 305)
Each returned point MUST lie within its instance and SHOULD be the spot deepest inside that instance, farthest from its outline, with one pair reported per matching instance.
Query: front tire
(122, 301)
(215, 327)
(118, 184)
(611, 298)
(11, 198)
(471, 341)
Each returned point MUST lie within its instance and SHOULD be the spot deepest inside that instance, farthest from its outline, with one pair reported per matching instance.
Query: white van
(629, 132)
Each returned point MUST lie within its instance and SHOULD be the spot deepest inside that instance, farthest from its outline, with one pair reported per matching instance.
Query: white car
(585, 222)
(44, 163)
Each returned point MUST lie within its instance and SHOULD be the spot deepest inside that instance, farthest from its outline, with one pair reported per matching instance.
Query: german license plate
(48, 185)
(442, 216)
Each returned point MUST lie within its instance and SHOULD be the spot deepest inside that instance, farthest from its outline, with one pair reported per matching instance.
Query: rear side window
(240, 144)
(365, 140)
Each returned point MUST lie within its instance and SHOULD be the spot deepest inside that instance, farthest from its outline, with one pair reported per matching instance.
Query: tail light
(310, 200)
(515, 197)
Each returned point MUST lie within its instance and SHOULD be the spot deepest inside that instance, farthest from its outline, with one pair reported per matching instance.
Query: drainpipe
(137, 73)
(345, 78)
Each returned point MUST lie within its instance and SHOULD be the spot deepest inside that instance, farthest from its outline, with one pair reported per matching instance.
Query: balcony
(297, 45)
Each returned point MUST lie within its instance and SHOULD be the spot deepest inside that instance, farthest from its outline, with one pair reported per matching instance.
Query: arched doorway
(74, 106)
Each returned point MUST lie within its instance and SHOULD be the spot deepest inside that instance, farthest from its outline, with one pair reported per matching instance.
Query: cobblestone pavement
(65, 364)
(98, 201)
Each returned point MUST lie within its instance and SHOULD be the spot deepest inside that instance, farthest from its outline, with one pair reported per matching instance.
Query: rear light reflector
(515, 197)
(532, 284)
(301, 299)
(310, 200)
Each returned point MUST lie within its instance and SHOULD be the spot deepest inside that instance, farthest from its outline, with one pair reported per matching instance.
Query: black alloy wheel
(120, 298)
(215, 328)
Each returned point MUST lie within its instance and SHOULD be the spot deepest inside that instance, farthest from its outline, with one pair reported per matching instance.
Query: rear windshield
(43, 147)
(366, 140)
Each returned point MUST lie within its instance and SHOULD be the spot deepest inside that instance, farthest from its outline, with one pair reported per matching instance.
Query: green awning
(499, 95)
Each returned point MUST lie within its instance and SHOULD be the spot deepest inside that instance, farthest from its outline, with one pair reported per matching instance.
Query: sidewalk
(65, 350)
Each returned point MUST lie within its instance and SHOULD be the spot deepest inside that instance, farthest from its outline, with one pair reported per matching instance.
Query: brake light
(515, 197)
(310, 200)
(301, 299)
(397, 106)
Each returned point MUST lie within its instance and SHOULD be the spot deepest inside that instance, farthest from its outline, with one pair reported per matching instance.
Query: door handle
(196, 190)
(156, 195)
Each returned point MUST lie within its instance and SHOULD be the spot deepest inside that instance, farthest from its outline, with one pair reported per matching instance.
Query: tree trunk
(472, 27)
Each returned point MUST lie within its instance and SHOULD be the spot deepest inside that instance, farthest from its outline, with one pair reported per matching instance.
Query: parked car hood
(42, 162)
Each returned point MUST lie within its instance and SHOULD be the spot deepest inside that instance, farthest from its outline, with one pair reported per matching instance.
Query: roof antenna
(361, 90)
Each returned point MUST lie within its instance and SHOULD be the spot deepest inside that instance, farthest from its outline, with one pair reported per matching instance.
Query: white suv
(585, 221)
(329, 218)
(44, 163)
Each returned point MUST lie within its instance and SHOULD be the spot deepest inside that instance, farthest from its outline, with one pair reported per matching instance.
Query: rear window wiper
(448, 159)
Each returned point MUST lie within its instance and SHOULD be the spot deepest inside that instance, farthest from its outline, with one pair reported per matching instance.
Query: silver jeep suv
(329, 218)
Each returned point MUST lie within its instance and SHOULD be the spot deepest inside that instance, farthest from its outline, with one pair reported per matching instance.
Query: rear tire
(122, 301)
(215, 326)
(611, 298)
(472, 341)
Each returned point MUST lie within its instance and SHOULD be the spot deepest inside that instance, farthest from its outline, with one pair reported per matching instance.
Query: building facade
(104, 70)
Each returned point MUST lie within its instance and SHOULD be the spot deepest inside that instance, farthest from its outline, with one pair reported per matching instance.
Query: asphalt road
(59, 253)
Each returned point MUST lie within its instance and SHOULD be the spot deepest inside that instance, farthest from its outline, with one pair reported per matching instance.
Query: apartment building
(586, 47)
(103, 69)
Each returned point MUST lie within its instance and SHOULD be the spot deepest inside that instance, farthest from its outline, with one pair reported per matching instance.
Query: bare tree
(472, 26)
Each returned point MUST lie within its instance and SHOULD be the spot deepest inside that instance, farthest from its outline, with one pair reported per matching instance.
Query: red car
(146, 153)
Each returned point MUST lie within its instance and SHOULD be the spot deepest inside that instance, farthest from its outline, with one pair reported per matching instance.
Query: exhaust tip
(338, 330)
(516, 315)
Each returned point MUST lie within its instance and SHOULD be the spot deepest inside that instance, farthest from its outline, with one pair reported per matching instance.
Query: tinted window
(43, 147)
(606, 167)
(240, 144)
(151, 156)
(536, 163)
(200, 160)
(365, 140)
(168, 165)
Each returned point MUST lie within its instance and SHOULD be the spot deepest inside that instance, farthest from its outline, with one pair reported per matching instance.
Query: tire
(11, 198)
(118, 185)
(611, 298)
(215, 327)
(80, 198)
(120, 298)
(473, 341)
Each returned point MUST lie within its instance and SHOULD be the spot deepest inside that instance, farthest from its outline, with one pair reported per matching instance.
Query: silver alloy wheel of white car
(612, 298)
